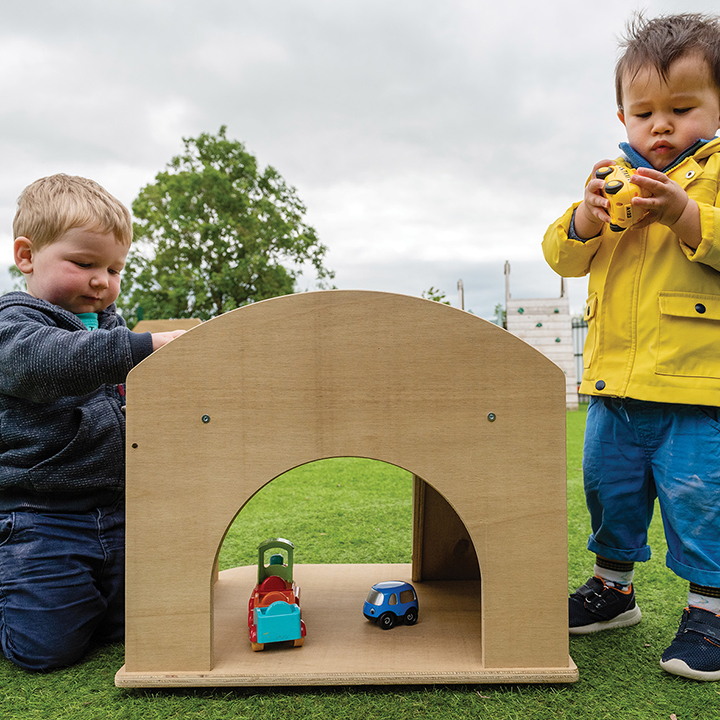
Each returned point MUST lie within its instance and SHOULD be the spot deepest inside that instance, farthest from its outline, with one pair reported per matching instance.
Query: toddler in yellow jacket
(652, 356)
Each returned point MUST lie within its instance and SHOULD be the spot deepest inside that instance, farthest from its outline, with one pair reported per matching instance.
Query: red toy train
(274, 609)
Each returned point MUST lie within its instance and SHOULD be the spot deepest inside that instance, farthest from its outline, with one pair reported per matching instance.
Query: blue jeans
(62, 584)
(636, 451)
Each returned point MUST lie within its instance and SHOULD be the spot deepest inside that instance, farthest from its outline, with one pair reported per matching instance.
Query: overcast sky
(430, 141)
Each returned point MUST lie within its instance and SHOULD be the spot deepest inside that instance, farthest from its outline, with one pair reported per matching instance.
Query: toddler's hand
(163, 338)
(592, 214)
(666, 202)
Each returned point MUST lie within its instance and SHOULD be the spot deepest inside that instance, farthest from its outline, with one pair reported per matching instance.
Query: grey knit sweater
(62, 429)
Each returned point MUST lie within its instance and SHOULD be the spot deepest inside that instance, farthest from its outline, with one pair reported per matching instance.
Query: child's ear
(23, 253)
(621, 116)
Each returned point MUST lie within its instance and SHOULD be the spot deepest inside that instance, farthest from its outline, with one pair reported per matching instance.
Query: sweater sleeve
(42, 362)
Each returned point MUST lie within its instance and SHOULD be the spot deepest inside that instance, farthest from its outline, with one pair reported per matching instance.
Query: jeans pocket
(6, 527)
(710, 413)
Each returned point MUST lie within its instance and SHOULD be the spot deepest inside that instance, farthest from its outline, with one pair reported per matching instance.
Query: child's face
(80, 271)
(665, 117)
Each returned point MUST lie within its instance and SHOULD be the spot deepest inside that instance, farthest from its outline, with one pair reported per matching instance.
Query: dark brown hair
(659, 42)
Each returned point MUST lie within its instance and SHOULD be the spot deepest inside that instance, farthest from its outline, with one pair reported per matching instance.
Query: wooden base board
(342, 648)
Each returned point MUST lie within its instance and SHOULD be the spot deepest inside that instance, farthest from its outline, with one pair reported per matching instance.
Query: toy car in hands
(388, 602)
(620, 191)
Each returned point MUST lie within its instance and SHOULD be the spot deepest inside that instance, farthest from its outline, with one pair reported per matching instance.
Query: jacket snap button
(700, 308)
(600, 385)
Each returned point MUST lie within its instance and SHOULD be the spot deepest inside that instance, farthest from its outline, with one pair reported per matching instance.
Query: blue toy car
(387, 602)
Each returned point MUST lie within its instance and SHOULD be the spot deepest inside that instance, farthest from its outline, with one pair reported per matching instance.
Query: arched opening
(353, 522)
(337, 510)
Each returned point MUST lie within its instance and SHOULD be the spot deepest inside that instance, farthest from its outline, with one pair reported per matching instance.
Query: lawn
(352, 510)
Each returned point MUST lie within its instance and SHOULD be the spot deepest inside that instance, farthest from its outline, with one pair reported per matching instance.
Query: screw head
(491, 417)
(206, 419)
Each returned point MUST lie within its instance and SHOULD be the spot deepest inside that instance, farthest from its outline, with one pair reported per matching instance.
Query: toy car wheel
(603, 172)
(386, 620)
(411, 616)
(613, 187)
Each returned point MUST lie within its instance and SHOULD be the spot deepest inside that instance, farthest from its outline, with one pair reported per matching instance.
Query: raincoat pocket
(688, 342)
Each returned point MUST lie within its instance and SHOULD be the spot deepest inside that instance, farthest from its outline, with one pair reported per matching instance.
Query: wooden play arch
(476, 415)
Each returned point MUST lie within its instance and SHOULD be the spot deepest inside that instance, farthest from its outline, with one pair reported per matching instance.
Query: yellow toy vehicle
(620, 191)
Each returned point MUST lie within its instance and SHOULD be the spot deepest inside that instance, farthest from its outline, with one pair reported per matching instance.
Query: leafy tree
(500, 315)
(436, 295)
(214, 232)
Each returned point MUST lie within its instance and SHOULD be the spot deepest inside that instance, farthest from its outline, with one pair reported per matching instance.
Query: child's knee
(43, 640)
(40, 655)
(56, 640)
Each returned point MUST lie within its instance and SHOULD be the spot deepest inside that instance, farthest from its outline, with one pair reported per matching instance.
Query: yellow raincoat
(653, 307)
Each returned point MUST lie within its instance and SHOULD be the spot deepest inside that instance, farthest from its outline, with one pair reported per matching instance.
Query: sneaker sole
(626, 619)
(680, 667)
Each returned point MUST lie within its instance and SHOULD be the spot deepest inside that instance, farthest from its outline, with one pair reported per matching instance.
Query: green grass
(342, 510)
(352, 510)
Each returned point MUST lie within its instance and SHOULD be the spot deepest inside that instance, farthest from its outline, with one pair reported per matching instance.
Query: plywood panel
(243, 398)
(442, 547)
(342, 648)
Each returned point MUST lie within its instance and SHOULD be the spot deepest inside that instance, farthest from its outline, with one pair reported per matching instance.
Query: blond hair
(660, 41)
(52, 205)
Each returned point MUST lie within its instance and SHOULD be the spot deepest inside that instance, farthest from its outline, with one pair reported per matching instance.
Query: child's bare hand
(666, 200)
(592, 214)
(163, 338)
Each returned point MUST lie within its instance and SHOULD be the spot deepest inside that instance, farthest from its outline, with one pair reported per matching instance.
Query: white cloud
(430, 141)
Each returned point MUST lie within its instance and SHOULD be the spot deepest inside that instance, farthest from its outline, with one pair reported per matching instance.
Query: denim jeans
(62, 584)
(638, 451)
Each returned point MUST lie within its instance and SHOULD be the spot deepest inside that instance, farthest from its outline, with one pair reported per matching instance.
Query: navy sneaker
(596, 606)
(695, 651)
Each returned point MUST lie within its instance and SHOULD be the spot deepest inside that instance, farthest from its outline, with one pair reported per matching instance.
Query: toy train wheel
(386, 620)
(257, 647)
(299, 642)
